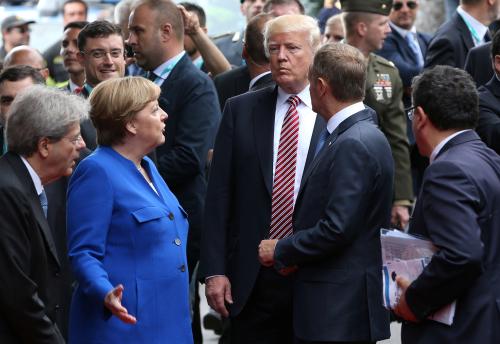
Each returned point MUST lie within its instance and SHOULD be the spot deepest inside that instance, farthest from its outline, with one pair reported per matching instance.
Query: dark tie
(44, 202)
(321, 141)
(152, 76)
(284, 175)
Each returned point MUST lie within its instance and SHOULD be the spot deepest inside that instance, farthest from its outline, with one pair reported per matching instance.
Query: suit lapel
(464, 31)
(319, 126)
(27, 183)
(330, 141)
(263, 113)
(408, 53)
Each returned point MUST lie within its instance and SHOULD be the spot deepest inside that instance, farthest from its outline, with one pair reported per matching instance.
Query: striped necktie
(284, 176)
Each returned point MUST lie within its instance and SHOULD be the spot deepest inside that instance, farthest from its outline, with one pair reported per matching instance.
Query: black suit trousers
(266, 318)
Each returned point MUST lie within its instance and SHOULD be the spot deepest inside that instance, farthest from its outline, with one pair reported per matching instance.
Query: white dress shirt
(307, 118)
(34, 176)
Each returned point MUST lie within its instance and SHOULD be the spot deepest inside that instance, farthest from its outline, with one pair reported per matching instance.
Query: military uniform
(231, 46)
(384, 92)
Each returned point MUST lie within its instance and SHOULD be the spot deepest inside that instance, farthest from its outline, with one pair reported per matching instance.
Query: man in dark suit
(249, 171)
(458, 210)
(344, 199)
(189, 98)
(478, 63)
(488, 126)
(467, 28)
(255, 74)
(12, 81)
(43, 146)
(404, 46)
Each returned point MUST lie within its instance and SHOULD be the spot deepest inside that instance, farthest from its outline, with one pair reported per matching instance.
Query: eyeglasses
(99, 54)
(410, 112)
(75, 140)
(399, 5)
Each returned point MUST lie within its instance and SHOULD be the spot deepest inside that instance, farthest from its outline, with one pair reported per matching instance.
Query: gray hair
(39, 112)
(293, 23)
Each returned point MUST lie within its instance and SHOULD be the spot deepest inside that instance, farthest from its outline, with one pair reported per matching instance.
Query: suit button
(171, 216)
(57, 307)
(177, 241)
(182, 268)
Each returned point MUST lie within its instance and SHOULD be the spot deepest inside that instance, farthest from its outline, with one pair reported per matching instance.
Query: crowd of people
(141, 156)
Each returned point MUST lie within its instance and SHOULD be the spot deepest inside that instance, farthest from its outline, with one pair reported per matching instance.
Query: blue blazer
(397, 50)
(450, 45)
(121, 231)
(458, 209)
(344, 199)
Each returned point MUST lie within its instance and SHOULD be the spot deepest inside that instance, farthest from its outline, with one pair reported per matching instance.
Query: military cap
(382, 7)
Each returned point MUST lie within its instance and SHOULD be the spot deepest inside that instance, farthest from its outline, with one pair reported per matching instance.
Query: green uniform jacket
(384, 92)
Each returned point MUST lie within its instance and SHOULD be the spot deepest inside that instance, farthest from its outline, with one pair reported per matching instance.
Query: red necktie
(284, 175)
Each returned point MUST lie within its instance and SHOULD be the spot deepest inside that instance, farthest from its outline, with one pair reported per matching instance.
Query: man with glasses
(404, 46)
(15, 32)
(101, 52)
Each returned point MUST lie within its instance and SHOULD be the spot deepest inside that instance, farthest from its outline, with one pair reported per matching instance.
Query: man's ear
(322, 86)
(43, 147)
(420, 118)
(166, 31)
(361, 29)
(496, 64)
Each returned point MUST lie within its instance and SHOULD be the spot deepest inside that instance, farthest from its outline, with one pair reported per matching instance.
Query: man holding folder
(458, 209)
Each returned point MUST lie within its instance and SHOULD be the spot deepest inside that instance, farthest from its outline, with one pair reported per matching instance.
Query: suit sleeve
(89, 211)
(218, 201)
(347, 186)
(488, 126)
(449, 199)
(197, 121)
(22, 308)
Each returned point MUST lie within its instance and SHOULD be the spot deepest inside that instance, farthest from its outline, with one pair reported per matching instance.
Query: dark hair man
(457, 209)
(69, 53)
(72, 11)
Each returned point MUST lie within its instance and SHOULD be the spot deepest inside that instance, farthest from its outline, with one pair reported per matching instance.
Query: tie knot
(294, 100)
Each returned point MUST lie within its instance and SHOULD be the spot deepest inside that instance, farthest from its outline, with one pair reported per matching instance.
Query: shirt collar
(72, 86)
(34, 176)
(254, 80)
(475, 27)
(304, 95)
(198, 62)
(401, 31)
(342, 115)
(163, 70)
(441, 144)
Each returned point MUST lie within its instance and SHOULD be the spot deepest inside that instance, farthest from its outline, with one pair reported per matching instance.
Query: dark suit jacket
(459, 211)
(29, 264)
(231, 46)
(478, 64)
(488, 126)
(263, 82)
(450, 44)
(189, 98)
(232, 83)
(238, 205)
(2, 138)
(344, 200)
(397, 50)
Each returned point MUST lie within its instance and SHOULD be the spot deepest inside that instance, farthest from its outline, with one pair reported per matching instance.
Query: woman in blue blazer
(126, 230)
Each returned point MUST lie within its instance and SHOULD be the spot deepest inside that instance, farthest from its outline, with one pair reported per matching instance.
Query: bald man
(25, 55)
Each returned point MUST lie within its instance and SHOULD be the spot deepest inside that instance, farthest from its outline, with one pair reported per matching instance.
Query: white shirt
(34, 176)
(307, 118)
(72, 86)
(163, 70)
(254, 80)
(403, 32)
(343, 114)
(476, 28)
(441, 144)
